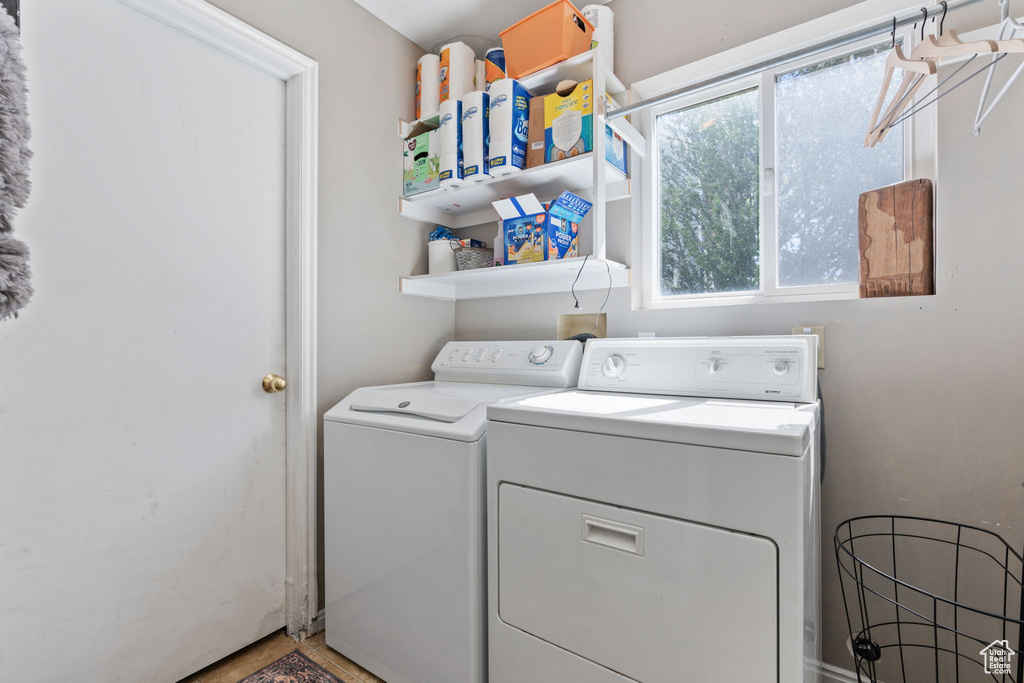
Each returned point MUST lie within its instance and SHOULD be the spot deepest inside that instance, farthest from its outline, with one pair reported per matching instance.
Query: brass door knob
(274, 383)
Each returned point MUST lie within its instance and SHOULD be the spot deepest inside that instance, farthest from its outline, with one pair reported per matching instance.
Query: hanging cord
(578, 273)
(607, 293)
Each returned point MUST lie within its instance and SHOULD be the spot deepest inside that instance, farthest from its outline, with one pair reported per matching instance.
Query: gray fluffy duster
(15, 287)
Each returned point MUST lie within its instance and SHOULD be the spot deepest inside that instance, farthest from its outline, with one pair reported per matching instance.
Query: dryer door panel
(651, 597)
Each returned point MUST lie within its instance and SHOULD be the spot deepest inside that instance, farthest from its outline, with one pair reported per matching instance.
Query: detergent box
(421, 163)
(568, 127)
(569, 120)
(533, 232)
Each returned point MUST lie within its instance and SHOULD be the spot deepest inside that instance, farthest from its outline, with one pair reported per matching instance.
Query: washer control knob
(496, 354)
(780, 368)
(466, 356)
(714, 367)
(481, 354)
(540, 355)
(613, 366)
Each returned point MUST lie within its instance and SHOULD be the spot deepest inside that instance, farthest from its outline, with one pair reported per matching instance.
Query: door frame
(219, 29)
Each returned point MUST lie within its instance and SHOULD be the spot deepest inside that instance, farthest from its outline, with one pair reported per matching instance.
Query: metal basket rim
(840, 545)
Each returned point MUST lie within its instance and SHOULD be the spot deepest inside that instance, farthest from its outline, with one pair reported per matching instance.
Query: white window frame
(919, 141)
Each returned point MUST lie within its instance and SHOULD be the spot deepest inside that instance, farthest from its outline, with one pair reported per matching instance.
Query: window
(755, 185)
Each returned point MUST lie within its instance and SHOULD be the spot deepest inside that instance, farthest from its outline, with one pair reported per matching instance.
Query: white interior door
(142, 495)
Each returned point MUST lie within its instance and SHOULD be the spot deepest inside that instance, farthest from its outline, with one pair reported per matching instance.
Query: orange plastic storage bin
(548, 36)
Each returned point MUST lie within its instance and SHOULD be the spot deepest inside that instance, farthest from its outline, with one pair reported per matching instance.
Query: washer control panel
(532, 363)
(780, 368)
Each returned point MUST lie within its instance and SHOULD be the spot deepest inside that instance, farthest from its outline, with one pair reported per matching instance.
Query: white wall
(923, 394)
(369, 334)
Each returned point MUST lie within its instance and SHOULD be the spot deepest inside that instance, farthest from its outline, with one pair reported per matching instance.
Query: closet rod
(884, 26)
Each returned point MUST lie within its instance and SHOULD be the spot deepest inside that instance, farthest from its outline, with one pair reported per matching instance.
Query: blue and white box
(510, 120)
(535, 233)
(475, 136)
(449, 132)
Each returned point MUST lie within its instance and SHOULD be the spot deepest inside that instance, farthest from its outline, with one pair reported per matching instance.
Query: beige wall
(923, 394)
(368, 333)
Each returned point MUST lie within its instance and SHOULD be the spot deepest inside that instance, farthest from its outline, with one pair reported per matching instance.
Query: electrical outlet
(820, 332)
(578, 323)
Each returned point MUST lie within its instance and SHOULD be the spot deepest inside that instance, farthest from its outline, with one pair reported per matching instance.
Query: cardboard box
(421, 163)
(569, 121)
(533, 232)
(535, 134)
(568, 124)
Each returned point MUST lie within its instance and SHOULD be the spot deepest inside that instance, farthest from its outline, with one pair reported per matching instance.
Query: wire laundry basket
(931, 601)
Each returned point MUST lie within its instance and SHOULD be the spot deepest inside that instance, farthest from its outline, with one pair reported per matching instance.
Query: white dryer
(404, 510)
(660, 523)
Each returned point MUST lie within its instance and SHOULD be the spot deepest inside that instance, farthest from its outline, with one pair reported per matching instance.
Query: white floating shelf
(542, 277)
(471, 204)
(578, 68)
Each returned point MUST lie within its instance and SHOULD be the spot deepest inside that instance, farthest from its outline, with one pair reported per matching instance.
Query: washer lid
(451, 410)
(421, 401)
(759, 426)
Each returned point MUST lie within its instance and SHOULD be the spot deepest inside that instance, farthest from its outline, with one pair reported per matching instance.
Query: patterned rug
(294, 667)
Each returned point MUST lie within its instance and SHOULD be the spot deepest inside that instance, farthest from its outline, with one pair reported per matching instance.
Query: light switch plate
(578, 323)
(820, 332)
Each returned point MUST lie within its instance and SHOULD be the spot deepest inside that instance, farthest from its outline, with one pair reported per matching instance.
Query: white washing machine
(405, 514)
(660, 523)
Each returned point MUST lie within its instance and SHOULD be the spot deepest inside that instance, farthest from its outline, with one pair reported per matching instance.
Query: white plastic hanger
(1008, 28)
(916, 70)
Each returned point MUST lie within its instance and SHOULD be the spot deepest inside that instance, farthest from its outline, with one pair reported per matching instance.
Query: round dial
(613, 366)
(780, 368)
(540, 355)
(714, 367)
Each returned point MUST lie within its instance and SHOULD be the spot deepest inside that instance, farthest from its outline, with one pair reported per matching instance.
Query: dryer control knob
(714, 367)
(613, 366)
(780, 368)
(540, 355)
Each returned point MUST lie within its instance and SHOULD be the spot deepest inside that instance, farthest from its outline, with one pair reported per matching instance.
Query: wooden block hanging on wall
(896, 240)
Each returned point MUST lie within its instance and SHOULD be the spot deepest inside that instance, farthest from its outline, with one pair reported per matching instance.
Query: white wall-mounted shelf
(542, 277)
(578, 68)
(543, 82)
(587, 175)
(470, 204)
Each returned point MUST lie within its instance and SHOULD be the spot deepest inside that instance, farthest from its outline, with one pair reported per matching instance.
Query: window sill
(749, 299)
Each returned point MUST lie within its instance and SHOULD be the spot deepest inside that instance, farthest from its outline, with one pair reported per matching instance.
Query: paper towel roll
(603, 38)
(475, 136)
(509, 123)
(450, 136)
(480, 77)
(428, 85)
(458, 71)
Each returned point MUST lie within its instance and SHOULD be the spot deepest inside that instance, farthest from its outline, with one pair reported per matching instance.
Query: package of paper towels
(428, 85)
(510, 104)
(449, 133)
(458, 71)
(475, 136)
(603, 38)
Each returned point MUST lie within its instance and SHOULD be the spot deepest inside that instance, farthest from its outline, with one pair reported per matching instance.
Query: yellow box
(569, 122)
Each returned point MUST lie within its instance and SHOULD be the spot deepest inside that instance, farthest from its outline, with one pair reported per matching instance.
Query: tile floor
(249, 660)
